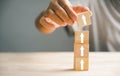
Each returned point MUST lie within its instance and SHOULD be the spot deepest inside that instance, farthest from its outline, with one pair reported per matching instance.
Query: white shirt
(105, 29)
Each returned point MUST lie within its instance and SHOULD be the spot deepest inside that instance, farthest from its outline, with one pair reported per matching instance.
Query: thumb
(80, 9)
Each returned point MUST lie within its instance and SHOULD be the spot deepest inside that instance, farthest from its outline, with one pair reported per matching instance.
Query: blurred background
(19, 34)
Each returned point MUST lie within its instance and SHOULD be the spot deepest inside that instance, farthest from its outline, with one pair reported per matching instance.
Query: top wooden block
(84, 19)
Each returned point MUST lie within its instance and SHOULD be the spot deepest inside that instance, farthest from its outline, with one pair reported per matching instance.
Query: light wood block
(81, 64)
(81, 50)
(84, 19)
(82, 37)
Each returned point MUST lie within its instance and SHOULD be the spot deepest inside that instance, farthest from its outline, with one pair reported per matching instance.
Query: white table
(57, 64)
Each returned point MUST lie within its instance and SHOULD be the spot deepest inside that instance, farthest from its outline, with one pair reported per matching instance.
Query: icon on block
(82, 37)
(81, 50)
(84, 19)
(81, 64)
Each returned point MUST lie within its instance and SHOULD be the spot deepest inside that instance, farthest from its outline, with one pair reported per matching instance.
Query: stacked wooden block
(81, 45)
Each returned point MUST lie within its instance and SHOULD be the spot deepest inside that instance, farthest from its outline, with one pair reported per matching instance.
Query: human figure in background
(105, 29)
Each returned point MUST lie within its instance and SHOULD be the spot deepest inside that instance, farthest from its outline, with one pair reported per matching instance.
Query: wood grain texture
(77, 51)
(78, 37)
(87, 18)
(57, 64)
(77, 65)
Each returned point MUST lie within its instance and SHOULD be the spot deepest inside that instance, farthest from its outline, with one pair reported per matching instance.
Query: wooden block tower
(81, 45)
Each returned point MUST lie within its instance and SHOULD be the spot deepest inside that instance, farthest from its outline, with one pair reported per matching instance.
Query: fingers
(80, 9)
(50, 14)
(44, 30)
(48, 24)
(68, 8)
(49, 21)
(60, 12)
(87, 9)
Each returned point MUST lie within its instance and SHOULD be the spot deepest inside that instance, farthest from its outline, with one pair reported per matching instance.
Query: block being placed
(82, 37)
(84, 19)
(81, 50)
(81, 64)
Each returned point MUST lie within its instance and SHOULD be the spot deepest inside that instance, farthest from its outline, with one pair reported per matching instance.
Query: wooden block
(81, 50)
(82, 37)
(81, 64)
(84, 19)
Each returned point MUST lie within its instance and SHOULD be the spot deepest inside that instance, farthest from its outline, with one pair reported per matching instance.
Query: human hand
(58, 14)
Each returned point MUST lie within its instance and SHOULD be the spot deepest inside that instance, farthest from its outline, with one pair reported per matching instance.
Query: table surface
(57, 64)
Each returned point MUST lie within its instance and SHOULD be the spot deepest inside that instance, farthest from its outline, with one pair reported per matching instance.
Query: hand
(59, 13)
